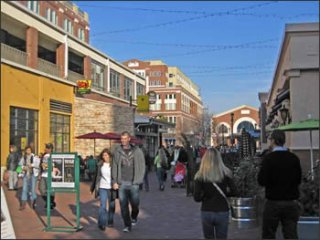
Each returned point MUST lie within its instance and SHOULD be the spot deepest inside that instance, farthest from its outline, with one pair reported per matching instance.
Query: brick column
(60, 58)
(32, 47)
(87, 67)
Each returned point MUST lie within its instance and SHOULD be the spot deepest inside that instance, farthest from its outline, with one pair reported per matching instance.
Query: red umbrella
(112, 136)
(92, 135)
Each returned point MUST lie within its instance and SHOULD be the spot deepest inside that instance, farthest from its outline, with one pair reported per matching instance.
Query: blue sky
(229, 49)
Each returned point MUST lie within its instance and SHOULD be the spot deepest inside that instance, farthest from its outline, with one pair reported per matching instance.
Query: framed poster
(63, 170)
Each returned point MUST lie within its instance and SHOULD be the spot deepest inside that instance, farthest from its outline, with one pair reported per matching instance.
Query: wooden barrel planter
(244, 212)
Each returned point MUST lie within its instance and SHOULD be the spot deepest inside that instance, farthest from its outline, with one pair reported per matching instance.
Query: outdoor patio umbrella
(305, 125)
(92, 135)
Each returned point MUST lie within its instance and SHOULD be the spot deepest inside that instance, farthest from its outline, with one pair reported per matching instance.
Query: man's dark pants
(286, 212)
(129, 193)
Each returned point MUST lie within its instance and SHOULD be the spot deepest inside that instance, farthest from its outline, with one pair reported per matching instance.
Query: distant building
(64, 14)
(294, 93)
(226, 126)
(177, 98)
(40, 65)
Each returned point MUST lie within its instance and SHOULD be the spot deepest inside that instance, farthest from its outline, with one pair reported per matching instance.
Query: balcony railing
(73, 76)
(48, 67)
(13, 54)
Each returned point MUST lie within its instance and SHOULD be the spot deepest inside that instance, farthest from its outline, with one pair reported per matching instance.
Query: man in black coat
(280, 174)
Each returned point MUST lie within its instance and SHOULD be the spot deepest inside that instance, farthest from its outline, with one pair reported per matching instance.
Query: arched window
(248, 126)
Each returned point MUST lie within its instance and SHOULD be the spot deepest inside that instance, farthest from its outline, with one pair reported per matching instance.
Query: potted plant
(245, 207)
(308, 225)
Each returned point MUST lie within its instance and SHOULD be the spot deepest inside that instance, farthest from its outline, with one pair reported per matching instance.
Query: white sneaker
(134, 222)
(126, 229)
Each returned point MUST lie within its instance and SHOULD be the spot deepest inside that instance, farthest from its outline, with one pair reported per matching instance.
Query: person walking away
(213, 184)
(12, 164)
(161, 163)
(280, 174)
(30, 168)
(101, 185)
(147, 168)
(92, 165)
(44, 176)
(128, 168)
(190, 171)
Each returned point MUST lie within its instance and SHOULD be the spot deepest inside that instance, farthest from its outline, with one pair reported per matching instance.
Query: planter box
(309, 228)
(244, 212)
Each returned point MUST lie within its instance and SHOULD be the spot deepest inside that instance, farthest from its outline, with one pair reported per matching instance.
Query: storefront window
(60, 132)
(24, 128)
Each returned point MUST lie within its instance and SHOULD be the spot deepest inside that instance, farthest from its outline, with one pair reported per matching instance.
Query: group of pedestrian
(280, 174)
(121, 173)
(30, 168)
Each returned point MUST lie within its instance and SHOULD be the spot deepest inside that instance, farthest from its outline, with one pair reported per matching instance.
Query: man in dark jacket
(280, 174)
(12, 164)
(128, 168)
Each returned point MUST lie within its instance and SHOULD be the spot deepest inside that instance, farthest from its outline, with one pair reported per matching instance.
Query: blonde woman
(211, 184)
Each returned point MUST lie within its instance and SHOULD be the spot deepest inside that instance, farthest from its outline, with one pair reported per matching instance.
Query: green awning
(305, 125)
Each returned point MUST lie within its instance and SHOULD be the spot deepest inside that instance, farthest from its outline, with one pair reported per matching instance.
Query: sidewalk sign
(63, 176)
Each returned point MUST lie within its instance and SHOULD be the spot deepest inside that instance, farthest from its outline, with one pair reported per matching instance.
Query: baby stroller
(179, 175)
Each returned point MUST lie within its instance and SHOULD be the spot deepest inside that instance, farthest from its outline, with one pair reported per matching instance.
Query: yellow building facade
(35, 110)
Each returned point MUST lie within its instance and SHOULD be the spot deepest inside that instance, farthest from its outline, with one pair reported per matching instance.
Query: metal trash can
(244, 212)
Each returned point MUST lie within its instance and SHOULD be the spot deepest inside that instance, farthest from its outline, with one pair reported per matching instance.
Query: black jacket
(96, 180)
(212, 200)
(280, 174)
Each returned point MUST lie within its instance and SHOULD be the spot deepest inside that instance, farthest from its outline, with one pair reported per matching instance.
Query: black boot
(45, 201)
(52, 204)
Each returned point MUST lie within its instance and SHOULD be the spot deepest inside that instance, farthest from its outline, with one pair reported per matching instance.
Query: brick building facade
(227, 125)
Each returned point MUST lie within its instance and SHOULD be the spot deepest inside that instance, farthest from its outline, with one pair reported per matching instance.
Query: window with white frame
(34, 6)
(97, 75)
(81, 34)
(140, 89)
(51, 15)
(115, 83)
(127, 91)
(170, 102)
(172, 119)
(155, 83)
(155, 74)
(67, 25)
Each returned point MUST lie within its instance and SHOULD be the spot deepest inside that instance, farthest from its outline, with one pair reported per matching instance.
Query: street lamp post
(222, 135)
(232, 140)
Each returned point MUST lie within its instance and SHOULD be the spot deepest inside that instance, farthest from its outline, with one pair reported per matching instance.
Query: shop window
(60, 132)
(24, 128)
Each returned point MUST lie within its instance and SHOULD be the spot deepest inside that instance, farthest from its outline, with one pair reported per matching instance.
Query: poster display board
(63, 177)
(63, 170)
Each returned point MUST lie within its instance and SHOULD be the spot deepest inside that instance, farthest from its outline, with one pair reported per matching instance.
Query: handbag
(114, 194)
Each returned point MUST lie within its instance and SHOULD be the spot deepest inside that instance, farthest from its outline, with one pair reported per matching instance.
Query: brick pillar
(60, 58)
(87, 67)
(32, 47)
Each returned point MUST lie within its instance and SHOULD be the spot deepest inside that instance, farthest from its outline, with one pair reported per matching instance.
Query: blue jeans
(160, 176)
(129, 194)
(105, 196)
(29, 185)
(215, 224)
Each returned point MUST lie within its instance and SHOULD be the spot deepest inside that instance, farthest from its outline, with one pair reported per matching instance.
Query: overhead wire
(183, 20)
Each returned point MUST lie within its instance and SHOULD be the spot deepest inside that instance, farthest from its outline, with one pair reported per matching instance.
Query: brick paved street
(163, 215)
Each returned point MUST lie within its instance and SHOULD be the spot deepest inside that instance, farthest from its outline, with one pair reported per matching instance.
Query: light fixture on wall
(284, 114)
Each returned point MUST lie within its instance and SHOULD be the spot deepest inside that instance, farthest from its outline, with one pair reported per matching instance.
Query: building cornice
(233, 110)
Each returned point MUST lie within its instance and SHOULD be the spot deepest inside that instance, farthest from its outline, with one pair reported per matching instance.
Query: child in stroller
(179, 175)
